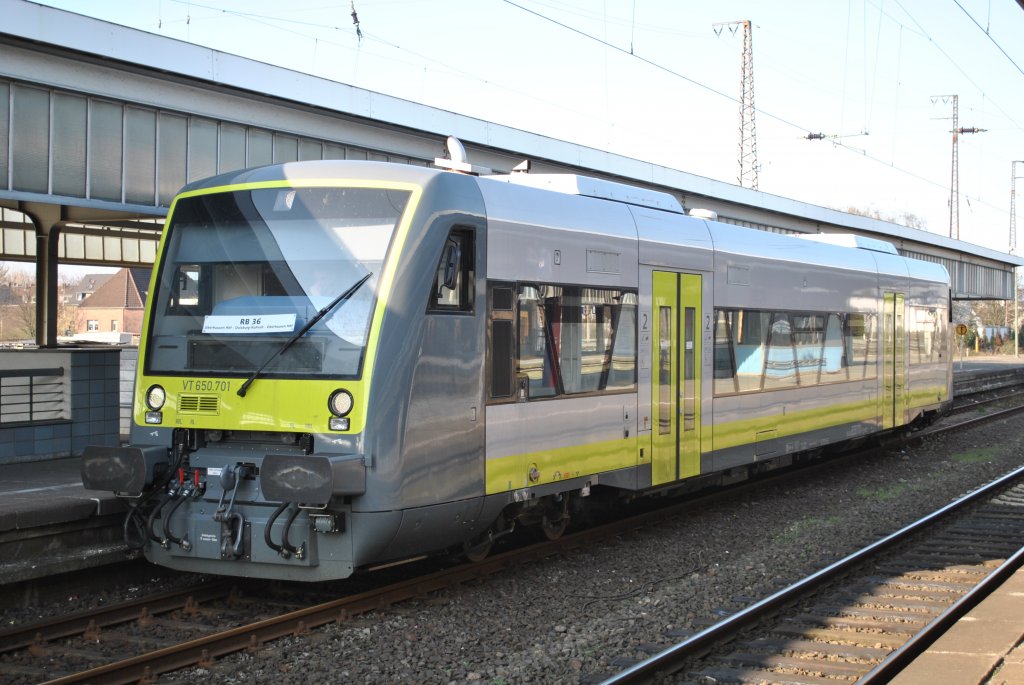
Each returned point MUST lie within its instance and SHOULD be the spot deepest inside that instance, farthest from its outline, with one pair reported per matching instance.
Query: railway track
(135, 641)
(187, 627)
(973, 391)
(864, 617)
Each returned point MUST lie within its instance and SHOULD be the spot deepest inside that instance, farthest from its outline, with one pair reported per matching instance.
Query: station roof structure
(101, 124)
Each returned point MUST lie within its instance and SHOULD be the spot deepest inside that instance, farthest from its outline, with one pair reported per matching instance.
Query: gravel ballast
(566, 617)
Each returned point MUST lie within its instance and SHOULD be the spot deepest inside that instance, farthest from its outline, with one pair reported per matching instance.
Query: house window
(113, 325)
(93, 325)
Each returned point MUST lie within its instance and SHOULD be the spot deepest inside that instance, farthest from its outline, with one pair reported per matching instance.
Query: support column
(46, 219)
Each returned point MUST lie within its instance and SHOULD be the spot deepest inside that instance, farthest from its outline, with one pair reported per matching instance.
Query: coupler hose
(270, 524)
(168, 535)
(299, 551)
(152, 518)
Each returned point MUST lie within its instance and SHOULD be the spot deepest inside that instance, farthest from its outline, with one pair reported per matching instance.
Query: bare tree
(904, 218)
(67, 312)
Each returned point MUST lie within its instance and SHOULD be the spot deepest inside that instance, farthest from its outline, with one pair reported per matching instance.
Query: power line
(835, 141)
(989, 35)
(263, 19)
(719, 93)
(273, 23)
(955, 64)
(647, 61)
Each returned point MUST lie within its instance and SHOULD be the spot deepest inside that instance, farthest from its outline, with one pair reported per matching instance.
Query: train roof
(851, 240)
(320, 169)
(862, 254)
(839, 250)
(587, 186)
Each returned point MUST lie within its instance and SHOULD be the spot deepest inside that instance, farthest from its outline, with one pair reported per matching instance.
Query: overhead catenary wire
(952, 61)
(632, 52)
(273, 23)
(837, 143)
(989, 36)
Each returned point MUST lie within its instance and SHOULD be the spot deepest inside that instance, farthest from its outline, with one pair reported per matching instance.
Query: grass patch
(977, 456)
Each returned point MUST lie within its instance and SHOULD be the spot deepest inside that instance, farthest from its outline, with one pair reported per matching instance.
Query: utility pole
(1013, 204)
(747, 176)
(1013, 248)
(954, 183)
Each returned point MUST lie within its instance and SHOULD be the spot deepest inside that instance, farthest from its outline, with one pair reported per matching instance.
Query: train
(348, 365)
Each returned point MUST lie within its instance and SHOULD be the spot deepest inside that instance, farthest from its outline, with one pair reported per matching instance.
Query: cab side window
(455, 279)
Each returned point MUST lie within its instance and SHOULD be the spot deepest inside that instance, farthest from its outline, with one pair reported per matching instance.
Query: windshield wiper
(305, 329)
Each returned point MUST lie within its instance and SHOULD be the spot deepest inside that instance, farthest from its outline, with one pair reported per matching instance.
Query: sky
(655, 81)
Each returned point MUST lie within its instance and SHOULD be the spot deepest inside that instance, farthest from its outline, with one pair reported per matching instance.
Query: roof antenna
(456, 150)
(458, 161)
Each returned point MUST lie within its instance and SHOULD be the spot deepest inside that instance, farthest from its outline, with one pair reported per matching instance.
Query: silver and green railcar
(351, 364)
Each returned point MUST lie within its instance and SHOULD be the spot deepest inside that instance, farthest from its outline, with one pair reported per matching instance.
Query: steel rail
(926, 637)
(209, 647)
(964, 401)
(20, 637)
(976, 421)
(204, 649)
(670, 659)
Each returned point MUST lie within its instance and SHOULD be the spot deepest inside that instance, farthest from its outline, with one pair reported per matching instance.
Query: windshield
(243, 272)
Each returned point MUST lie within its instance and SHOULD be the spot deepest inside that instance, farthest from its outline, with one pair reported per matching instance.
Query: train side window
(834, 368)
(780, 367)
(454, 281)
(923, 332)
(540, 313)
(621, 373)
(808, 346)
(740, 337)
(664, 370)
(861, 345)
(725, 354)
(575, 340)
(500, 341)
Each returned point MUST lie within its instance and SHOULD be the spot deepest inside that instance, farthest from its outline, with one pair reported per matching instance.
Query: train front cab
(255, 456)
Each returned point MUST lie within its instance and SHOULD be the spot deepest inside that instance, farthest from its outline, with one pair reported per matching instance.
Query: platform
(50, 524)
(982, 647)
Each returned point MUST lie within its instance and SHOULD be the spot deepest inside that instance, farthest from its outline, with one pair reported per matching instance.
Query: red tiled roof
(126, 289)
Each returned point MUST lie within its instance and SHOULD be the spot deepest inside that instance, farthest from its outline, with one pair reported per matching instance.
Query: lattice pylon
(747, 176)
(748, 126)
(954, 184)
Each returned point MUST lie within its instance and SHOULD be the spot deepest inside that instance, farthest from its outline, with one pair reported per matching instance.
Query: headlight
(340, 402)
(155, 397)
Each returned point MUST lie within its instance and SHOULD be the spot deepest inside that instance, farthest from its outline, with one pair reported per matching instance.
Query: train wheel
(478, 549)
(555, 520)
(478, 552)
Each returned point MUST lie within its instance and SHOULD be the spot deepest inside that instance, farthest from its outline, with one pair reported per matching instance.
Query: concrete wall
(87, 412)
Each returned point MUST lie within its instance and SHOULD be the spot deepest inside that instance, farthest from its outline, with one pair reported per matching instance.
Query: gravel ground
(566, 618)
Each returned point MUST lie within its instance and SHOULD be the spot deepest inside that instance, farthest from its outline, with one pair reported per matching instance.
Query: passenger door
(893, 361)
(676, 355)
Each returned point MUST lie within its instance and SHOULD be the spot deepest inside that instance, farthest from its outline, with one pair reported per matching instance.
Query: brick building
(116, 306)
